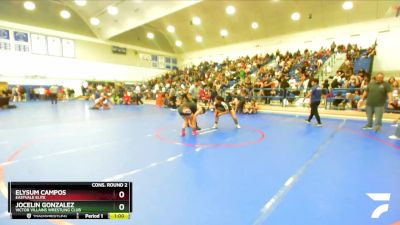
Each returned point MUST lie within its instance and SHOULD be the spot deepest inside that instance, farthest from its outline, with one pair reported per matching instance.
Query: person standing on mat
(187, 110)
(396, 135)
(376, 93)
(315, 94)
(222, 108)
(196, 110)
(53, 94)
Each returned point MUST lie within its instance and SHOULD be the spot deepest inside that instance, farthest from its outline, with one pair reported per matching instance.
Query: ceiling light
(230, 10)
(224, 33)
(94, 21)
(171, 29)
(199, 38)
(80, 2)
(295, 16)
(347, 5)
(150, 35)
(29, 5)
(65, 14)
(196, 20)
(112, 10)
(254, 25)
(178, 43)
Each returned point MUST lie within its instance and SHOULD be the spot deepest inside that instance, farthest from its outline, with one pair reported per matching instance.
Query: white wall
(76, 37)
(93, 61)
(388, 52)
(19, 68)
(367, 32)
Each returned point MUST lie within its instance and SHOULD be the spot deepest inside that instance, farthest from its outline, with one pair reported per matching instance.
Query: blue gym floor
(276, 170)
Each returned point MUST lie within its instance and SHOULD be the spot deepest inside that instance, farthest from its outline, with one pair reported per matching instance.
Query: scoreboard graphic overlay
(70, 200)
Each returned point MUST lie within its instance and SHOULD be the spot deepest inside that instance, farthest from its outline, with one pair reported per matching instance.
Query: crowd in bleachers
(284, 77)
(248, 81)
(118, 93)
(21, 93)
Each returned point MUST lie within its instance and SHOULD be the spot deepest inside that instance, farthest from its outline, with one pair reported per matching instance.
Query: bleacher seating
(364, 63)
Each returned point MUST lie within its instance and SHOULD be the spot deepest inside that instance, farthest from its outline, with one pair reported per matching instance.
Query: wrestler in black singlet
(222, 107)
(187, 105)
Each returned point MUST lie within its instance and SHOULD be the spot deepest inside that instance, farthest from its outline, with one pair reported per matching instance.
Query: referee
(315, 94)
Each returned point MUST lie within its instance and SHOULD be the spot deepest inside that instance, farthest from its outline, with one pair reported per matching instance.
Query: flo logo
(380, 197)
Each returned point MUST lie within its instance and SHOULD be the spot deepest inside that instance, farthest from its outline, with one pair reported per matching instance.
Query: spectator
(127, 100)
(284, 86)
(333, 47)
(194, 90)
(371, 50)
(159, 99)
(42, 93)
(250, 107)
(53, 94)
(14, 93)
(395, 87)
(339, 101)
(396, 135)
(376, 94)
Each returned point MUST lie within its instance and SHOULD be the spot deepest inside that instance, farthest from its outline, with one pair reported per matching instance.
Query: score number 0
(121, 206)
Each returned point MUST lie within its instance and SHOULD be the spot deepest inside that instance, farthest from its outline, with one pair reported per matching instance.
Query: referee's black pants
(53, 98)
(314, 112)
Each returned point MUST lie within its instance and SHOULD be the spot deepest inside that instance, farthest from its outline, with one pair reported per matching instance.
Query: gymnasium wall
(93, 60)
(385, 31)
(92, 51)
(20, 68)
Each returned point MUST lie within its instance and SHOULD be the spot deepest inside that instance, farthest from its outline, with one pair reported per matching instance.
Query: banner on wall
(170, 63)
(36, 43)
(145, 57)
(21, 41)
(5, 40)
(39, 44)
(161, 62)
(68, 48)
(54, 46)
(21, 36)
(4, 34)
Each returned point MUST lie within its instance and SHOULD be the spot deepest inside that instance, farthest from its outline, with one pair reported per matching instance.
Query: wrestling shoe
(377, 128)
(366, 127)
